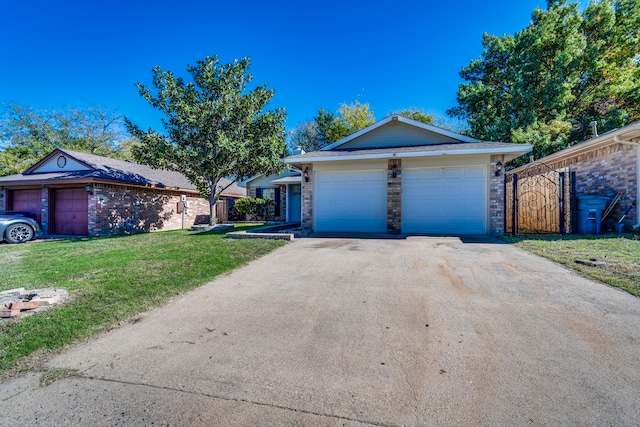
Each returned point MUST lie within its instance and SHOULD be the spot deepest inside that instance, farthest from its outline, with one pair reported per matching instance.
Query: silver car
(18, 227)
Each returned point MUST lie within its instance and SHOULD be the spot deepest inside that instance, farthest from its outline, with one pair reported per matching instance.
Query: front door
(294, 203)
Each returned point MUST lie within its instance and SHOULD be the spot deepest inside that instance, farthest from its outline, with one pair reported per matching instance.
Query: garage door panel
(26, 201)
(453, 173)
(70, 211)
(475, 173)
(444, 201)
(353, 201)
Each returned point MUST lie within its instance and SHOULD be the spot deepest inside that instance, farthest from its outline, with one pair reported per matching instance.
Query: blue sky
(314, 54)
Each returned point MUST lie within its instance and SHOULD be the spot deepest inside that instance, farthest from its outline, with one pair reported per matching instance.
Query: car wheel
(19, 233)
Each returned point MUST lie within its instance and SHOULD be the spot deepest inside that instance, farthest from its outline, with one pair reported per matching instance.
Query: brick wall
(394, 197)
(605, 172)
(307, 198)
(496, 198)
(3, 199)
(44, 210)
(117, 209)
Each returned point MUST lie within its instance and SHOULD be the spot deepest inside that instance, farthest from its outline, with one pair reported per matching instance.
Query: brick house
(403, 176)
(80, 194)
(605, 165)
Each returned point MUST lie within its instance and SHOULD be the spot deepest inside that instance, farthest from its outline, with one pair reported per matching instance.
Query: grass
(111, 280)
(620, 254)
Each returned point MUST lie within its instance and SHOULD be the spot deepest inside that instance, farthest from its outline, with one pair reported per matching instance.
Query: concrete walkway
(347, 332)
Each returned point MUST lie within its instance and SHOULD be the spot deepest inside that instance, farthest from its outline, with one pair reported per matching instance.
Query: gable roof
(85, 168)
(429, 132)
(397, 136)
(263, 179)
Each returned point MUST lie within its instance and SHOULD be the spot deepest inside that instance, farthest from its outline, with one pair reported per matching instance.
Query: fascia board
(520, 149)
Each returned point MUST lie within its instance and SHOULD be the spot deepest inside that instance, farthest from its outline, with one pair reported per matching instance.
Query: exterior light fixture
(394, 171)
(88, 189)
(306, 174)
(499, 167)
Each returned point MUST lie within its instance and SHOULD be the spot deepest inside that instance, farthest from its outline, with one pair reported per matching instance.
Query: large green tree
(327, 128)
(214, 127)
(417, 115)
(546, 83)
(27, 135)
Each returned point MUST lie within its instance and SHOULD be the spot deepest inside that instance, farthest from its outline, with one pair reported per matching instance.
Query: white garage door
(444, 201)
(354, 201)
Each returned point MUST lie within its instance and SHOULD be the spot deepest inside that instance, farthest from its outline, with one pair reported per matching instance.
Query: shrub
(253, 206)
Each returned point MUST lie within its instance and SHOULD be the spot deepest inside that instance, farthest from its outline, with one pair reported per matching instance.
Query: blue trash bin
(590, 210)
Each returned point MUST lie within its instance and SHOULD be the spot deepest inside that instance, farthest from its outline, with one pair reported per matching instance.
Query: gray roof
(108, 169)
(288, 180)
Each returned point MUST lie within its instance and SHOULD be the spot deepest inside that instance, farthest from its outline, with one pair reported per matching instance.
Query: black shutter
(277, 200)
(259, 193)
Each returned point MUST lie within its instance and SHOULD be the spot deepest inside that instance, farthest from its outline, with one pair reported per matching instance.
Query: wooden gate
(539, 200)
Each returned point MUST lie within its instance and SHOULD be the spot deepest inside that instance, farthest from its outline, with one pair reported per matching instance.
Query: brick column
(496, 198)
(307, 197)
(394, 197)
(93, 210)
(44, 211)
(3, 199)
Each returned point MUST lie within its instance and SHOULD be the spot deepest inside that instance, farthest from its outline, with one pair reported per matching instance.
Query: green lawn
(111, 280)
(620, 255)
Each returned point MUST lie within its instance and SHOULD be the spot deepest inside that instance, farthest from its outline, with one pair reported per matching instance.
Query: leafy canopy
(327, 128)
(546, 83)
(27, 135)
(214, 126)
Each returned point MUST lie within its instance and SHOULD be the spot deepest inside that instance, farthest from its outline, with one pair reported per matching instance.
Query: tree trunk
(212, 209)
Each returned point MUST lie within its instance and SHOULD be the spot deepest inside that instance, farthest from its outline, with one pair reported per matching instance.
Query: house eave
(617, 136)
(517, 150)
(88, 180)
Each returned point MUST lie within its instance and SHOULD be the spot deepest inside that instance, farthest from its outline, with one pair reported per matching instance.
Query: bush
(253, 206)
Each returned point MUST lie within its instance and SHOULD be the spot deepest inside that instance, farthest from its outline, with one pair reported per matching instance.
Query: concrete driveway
(345, 332)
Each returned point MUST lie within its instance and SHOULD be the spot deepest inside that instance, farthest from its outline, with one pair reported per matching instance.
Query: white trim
(400, 155)
(400, 119)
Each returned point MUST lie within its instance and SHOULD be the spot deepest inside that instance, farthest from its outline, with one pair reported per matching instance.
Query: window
(269, 194)
(273, 196)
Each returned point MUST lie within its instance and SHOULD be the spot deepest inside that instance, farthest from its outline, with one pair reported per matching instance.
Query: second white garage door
(354, 201)
(444, 201)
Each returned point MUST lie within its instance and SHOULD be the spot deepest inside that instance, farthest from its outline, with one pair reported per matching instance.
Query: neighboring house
(81, 194)
(604, 165)
(403, 176)
(284, 190)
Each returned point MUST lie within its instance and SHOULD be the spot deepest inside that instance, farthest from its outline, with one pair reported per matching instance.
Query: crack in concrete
(235, 399)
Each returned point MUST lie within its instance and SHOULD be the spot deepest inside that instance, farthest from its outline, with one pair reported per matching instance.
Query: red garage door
(70, 211)
(26, 201)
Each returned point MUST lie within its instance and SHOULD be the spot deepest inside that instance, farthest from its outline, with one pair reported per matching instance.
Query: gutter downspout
(637, 145)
